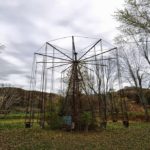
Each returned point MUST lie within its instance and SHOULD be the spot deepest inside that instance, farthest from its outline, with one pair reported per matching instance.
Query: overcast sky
(26, 25)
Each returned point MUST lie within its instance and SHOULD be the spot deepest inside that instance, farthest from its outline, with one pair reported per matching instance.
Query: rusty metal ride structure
(77, 67)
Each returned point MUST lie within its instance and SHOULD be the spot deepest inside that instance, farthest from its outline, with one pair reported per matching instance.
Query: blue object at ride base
(67, 120)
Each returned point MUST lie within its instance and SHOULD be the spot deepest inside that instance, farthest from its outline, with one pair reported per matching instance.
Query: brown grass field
(13, 136)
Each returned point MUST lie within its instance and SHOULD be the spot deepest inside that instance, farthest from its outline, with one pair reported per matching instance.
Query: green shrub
(54, 120)
(86, 119)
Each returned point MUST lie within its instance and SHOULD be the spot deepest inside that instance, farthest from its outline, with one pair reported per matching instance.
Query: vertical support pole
(52, 77)
(43, 94)
(29, 111)
(103, 93)
(75, 88)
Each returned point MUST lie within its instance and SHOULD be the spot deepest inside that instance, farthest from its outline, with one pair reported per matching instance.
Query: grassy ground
(13, 136)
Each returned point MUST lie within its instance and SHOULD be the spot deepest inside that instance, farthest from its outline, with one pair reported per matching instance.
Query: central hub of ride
(75, 56)
(75, 61)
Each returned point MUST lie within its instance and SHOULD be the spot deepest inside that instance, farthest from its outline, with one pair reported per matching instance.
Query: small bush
(54, 120)
(86, 119)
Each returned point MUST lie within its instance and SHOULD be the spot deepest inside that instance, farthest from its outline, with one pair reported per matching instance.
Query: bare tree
(135, 25)
(134, 70)
(136, 15)
(8, 97)
(105, 76)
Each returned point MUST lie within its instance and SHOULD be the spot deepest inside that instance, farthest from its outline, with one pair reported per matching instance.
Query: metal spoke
(58, 50)
(87, 67)
(94, 64)
(100, 53)
(90, 49)
(58, 66)
(51, 56)
(99, 59)
(50, 62)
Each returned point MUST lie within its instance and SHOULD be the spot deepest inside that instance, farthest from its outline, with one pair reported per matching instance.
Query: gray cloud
(26, 25)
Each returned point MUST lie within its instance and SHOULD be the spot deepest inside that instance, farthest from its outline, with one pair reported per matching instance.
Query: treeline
(12, 98)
